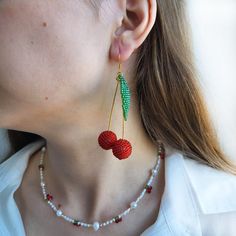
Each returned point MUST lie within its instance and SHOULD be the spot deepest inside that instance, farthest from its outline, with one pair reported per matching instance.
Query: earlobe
(121, 50)
(138, 20)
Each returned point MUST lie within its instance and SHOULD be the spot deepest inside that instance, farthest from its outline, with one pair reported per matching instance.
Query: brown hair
(170, 100)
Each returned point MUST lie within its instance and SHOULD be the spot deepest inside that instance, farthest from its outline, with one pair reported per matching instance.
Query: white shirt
(197, 200)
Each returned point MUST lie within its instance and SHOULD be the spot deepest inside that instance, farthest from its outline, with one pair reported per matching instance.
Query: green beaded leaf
(125, 95)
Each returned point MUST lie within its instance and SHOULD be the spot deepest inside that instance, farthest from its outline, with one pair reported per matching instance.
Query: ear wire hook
(120, 65)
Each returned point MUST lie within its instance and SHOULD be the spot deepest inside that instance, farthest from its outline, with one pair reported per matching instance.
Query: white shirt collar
(191, 189)
(215, 190)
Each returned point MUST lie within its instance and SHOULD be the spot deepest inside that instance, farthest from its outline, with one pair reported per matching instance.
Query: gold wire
(123, 127)
(113, 102)
(120, 66)
(114, 97)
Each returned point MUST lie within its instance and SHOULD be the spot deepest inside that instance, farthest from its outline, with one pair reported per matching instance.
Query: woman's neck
(77, 168)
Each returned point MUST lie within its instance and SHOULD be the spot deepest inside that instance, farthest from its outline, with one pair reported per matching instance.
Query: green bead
(125, 95)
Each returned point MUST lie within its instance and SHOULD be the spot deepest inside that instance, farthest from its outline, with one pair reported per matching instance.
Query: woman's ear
(138, 19)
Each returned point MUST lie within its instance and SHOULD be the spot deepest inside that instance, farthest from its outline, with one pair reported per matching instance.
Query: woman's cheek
(48, 53)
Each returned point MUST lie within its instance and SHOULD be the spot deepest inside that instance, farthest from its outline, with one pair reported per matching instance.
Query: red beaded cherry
(122, 149)
(106, 139)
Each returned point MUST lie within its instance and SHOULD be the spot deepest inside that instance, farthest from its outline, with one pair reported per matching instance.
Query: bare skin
(58, 64)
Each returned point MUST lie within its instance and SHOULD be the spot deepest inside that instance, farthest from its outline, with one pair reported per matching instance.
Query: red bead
(122, 149)
(162, 155)
(76, 223)
(106, 139)
(118, 219)
(49, 197)
(148, 188)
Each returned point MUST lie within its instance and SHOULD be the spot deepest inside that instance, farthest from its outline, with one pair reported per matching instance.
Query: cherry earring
(121, 148)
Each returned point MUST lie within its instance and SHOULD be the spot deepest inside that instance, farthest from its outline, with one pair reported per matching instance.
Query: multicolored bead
(148, 188)
(49, 197)
(76, 223)
(118, 219)
(41, 167)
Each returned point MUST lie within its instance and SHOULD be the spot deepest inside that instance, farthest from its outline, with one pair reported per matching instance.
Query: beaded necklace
(97, 225)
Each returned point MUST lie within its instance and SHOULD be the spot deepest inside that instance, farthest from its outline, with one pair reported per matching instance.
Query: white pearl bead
(133, 205)
(42, 184)
(154, 172)
(96, 226)
(59, 212)
(43, 149)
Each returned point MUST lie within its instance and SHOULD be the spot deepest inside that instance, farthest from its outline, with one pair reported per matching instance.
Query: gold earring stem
(123, 127)
(112, 107)
(114, 97)
(120, 66)
(113, 103)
